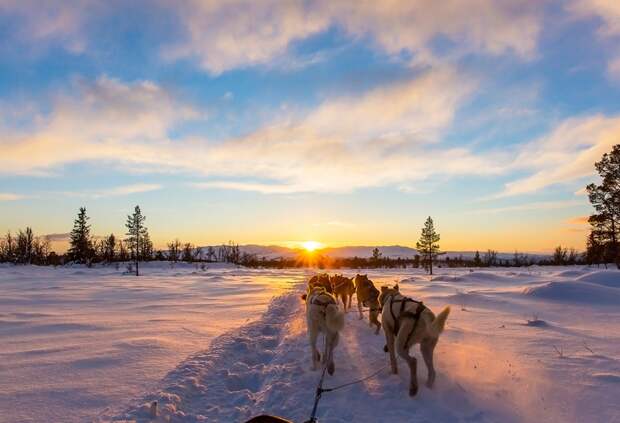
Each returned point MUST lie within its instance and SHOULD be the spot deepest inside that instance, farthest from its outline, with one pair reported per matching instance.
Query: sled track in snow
(264, 367)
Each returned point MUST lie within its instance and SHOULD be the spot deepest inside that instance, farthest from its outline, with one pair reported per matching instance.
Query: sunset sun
(311, 246)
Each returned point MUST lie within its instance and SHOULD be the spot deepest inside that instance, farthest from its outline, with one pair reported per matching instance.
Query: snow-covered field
(533, 345)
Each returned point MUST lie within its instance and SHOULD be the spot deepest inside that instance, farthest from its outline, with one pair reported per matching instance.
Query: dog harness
(404, 314)
(316, 301)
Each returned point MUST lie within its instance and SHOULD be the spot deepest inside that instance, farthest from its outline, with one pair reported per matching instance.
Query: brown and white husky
(368, 296)
(323, 316)
(405, 323)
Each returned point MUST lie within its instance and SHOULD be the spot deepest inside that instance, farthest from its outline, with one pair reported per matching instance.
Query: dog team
(405, 322)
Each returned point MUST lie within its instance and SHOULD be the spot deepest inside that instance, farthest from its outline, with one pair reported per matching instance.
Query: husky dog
(368, 296)
(323, 315)
(407, 322)
(343, 288)
(322, 279)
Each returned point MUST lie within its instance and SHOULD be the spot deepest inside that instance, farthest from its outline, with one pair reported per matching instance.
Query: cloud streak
(9, 196)
(542, 205)
(239, 33)
(388, 135)
(566, 154)
(114, 192)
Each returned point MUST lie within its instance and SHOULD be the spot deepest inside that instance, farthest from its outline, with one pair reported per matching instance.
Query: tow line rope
(320, 389)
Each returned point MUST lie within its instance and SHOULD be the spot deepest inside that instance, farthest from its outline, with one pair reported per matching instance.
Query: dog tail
(334, 318)
(440, 322)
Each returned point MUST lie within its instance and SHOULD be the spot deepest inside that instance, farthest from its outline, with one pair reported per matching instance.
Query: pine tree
(136, 232)
(477, 260)
(81, 244)
(146, 247)
(174, 250)
(8, 248)
(594, 249)
(188, 252)
(109, 250)
(605, 199)
(427, 245)
(376, 257)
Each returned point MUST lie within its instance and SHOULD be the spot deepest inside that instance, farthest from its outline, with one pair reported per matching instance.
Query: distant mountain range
(391, 251)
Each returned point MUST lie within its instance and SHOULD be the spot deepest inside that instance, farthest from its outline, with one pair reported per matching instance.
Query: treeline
(490, 258)
(25, 247)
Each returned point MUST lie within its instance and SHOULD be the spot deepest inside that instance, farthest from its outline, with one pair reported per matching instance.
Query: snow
(75, 341)
(521, 345)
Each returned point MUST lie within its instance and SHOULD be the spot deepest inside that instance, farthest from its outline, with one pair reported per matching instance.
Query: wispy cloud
(542, 205)
(388, 135)
(578, 220)
(568, 153)
(62, 23)
(607, 13)
(9, 196)
(246, 186)
(114, 191)
(232, 34)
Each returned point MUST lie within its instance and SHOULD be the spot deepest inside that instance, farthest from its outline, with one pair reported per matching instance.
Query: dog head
(387, 291)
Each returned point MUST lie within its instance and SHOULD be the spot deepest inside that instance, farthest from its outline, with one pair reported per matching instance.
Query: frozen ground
(75, 341)
(522, 345)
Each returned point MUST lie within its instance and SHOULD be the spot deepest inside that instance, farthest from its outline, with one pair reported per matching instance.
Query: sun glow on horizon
(311, 246)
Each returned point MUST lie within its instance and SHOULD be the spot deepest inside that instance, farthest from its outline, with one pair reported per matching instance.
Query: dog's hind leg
(316, 355)
(427, 347)
(359, 308)
(403, 351)
(332, 342)
(389, 340)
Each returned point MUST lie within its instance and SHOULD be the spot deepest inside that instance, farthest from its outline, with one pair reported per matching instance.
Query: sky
(278, 122)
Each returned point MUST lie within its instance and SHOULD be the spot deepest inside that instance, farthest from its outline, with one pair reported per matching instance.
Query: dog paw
(413, 390)
(385, 348)
(331, 368)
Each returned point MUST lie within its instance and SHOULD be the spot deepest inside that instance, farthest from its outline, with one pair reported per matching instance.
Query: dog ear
(396, 287)
(384, 288)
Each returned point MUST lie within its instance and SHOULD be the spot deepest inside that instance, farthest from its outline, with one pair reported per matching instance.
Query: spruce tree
(109, 250)
(477, 260)
(136, 233)
(81, 244)
(605, 198)
(427, 245)
(146, 247)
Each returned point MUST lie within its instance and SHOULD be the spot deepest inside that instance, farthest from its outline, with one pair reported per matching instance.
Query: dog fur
(426, 334)
(322, 279)
(368, 296)
(326, 319)
(343, 288)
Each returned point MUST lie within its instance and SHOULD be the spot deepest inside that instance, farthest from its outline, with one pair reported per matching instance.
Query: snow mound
(578, 292)
(572, 273)
(607, 377)
(610, 278)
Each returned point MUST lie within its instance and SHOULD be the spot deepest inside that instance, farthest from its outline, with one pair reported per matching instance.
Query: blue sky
(280, 122)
